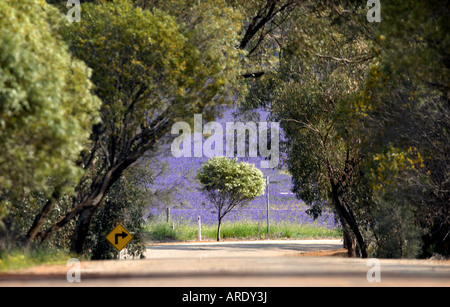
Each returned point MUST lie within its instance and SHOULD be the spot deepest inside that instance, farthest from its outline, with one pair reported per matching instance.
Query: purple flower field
(253, 213)
(187, 203)
(284, 207)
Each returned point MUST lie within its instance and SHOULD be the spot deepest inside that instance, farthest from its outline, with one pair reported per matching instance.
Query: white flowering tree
(228, 184)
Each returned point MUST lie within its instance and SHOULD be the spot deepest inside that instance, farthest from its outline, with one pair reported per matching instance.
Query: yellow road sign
(119, 237)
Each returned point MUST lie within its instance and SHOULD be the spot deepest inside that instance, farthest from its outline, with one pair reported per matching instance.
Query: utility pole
(268, 205)
(199, 228)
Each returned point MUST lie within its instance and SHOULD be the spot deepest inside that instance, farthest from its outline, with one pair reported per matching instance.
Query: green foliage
(158, 61)
(19, 259)
(364, 107)
(228, 184)
(408, 118)
(237, 181)
(126, 203)
(319, 74)
(166, 232)
(149, 69)
(395, 226)
(312, 95)
(46, 105)
(365, 111)
(22, 214)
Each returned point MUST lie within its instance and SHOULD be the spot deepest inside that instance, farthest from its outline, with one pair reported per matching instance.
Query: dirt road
(241, 264)
(241, 249)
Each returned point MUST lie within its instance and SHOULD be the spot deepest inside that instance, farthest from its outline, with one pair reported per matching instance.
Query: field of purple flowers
(284, 207)
(187, 203)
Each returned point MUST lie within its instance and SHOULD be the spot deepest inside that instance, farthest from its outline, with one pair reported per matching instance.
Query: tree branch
(347, 61)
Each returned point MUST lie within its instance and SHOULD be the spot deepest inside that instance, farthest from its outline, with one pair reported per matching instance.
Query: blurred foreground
(240, 264)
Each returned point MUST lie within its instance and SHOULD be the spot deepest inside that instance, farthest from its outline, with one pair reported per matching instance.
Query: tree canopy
(365, 111)
(46, 105)
(149, 70)
(364, 107)
(229, 184)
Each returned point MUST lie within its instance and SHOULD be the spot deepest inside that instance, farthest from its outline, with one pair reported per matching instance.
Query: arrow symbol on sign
(123, 235)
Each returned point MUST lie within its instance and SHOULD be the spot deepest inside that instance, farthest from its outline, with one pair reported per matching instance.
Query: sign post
(199, 228)
(268, 205)
(119, 237)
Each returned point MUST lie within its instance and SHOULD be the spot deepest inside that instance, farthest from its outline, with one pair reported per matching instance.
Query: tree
(260, 26)
(229, 184)
(263, 33)
(409, 115)
(149, 71)
(322, 68)
(366, 112)
(125, 203)
(47, 107)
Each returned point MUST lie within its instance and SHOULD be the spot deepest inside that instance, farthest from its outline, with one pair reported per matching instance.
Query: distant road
(239, 264)
(250, 249)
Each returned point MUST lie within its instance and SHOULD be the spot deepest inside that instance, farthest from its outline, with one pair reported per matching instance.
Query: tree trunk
(348, 242)
(81, 230)
(92, 198)
(218, 229)
(86, 210)
(42, 216)
(349, 219)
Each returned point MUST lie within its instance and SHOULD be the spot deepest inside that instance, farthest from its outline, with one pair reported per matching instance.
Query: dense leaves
(150, 70)
(46, 105)
(322, 66)
(126, 203)
(364, 107)
(46, 108)
(408, 124)
(365, 111)
(228, 184)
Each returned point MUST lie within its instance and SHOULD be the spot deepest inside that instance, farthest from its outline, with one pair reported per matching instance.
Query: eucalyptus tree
(313, 95)
(149, 71)
(47, 107)
(408, 122)
(229, 184)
